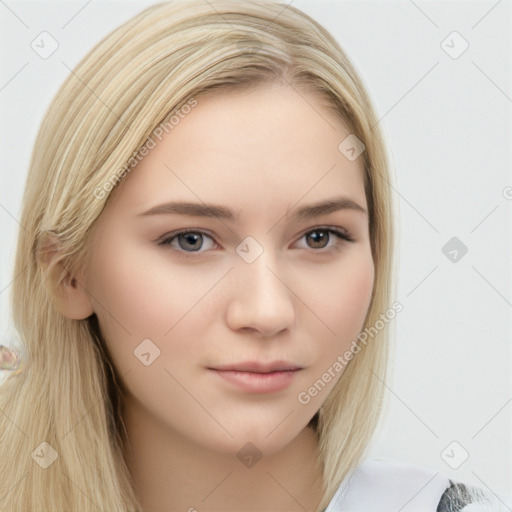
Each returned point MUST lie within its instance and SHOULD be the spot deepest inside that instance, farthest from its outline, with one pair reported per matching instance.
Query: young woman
(207, 231)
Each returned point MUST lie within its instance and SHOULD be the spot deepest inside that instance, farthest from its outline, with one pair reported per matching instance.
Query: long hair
(133, 81)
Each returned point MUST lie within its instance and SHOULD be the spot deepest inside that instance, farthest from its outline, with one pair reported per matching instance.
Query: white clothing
(378, 485)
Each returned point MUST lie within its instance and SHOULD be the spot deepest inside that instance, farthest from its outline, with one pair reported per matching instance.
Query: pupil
(318, 236)
(191, 238)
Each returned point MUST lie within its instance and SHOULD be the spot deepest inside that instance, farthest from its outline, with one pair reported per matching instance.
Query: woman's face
(219, 334)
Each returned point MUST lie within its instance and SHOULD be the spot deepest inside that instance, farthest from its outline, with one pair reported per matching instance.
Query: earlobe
(67, 291)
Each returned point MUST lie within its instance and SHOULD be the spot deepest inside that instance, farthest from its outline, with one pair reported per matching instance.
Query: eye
(190, 241)
(321, 236)
(186, 241)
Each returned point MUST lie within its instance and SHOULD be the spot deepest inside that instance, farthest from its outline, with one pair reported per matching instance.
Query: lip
(256, 377)
(258, 367)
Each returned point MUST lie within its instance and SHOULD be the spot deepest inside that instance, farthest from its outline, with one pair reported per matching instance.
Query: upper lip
(257, 367)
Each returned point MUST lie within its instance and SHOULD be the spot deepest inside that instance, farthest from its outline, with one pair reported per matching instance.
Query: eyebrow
(212, 210)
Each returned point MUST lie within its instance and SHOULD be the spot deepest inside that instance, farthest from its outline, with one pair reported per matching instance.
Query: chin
(268, 436)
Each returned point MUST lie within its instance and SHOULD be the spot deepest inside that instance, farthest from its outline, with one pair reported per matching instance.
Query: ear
(66, 287)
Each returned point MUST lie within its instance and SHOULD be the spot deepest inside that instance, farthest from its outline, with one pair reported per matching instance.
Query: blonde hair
(131, 82)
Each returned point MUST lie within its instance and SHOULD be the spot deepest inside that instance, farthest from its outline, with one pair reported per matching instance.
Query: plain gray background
(447, 118)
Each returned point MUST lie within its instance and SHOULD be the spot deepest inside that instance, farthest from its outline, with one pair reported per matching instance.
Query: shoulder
(389, 485)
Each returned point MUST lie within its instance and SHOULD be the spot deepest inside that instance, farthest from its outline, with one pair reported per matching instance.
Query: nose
(262, 300)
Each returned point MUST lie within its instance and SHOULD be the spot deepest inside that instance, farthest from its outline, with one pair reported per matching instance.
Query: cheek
(341, 304)
(339, 296)
(354, 296)
(143, 295)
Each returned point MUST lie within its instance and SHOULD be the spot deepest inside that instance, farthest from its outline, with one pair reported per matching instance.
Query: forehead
(252, 149)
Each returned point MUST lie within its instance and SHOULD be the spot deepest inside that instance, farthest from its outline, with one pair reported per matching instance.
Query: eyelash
(342, 235)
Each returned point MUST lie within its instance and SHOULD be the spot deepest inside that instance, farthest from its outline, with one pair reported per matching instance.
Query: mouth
(257, 367)
(256, 377)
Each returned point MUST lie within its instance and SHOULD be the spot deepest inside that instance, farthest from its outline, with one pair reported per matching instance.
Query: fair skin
(263, 154)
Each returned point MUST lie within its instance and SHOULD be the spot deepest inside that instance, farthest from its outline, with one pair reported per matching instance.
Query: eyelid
(336, 229)
(184, 231)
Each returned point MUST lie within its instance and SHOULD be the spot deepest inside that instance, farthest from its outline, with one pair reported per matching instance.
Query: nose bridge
(261, 299)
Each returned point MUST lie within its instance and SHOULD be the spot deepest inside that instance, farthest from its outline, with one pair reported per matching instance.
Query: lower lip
(258, 382)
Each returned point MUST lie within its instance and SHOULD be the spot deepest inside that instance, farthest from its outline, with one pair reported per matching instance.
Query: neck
(172, 473)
